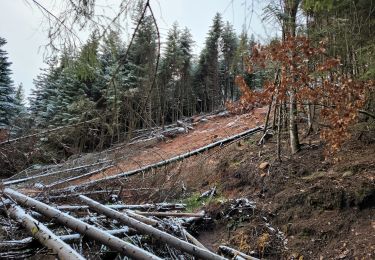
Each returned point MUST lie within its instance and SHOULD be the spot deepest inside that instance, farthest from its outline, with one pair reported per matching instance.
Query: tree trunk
(43, 234)
(279, 133)
(81, 227)
(293, 130)
(309, 118)
(147, 229)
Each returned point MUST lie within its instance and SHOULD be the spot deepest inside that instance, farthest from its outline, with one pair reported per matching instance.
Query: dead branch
(367, 113)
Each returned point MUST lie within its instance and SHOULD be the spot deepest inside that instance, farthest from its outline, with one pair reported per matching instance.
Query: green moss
(194, 202)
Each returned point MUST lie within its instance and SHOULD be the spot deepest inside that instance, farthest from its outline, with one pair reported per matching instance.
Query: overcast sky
(22, 26)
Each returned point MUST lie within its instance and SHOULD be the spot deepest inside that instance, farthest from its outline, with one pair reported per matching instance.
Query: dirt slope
(206, 130)
(306, 207)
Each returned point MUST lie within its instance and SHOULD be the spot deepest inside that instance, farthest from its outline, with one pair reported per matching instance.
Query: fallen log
(27, 242)
(43, 234)
(147, 229)
(165, 162)
(81, 227)
(78, 177)
(193, 239)
(141, 218)
(156, 223)
(46, 132)
(156, 206)
(47, 174)
(226, 250)
(170, 214)
(64, 196)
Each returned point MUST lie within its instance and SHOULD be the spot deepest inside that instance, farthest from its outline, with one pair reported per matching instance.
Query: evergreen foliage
(8, 106)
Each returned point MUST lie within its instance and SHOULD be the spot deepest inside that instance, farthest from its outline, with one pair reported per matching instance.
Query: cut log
(81, 227)
(57, 183)
(226, 250)
(170, 214)
(43, 234)
(35, 177)
(141, 218)
(147, 229)
(26, 242)
(64, 196)
(193, 239)
(156, 206)
(165, 162)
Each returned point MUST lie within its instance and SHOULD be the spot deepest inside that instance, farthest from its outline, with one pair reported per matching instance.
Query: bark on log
(81, 227)
(165, 162)
(27, 242)
(147, 229)
(193, 239)
(235, 253)
(64, 196)
(170, 214)
(141, 218)
(156, 206)
(43, 234)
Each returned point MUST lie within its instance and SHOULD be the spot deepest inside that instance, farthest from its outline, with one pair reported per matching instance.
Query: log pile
(148, 234)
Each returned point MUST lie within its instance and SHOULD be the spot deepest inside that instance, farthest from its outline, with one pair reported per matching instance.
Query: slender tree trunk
(309, 118)
(293, 130)
(271, 102)
(279, 132)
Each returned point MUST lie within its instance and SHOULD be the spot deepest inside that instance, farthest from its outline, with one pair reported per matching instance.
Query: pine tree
(8, 107)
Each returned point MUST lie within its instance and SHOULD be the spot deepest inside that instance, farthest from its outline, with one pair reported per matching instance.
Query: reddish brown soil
(204, 133)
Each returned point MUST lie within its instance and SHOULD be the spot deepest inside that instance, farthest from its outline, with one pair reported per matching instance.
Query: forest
(269, 138)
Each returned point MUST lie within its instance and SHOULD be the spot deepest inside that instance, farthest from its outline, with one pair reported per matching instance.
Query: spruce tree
(229, 44)
(8, 107)
(207, 81)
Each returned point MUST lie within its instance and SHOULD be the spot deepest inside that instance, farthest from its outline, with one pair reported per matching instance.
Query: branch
(367, 113)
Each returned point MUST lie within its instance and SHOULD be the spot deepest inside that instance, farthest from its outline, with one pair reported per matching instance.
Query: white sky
(22, 26)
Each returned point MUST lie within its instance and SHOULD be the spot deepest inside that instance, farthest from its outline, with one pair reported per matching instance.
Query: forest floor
(304, 207)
